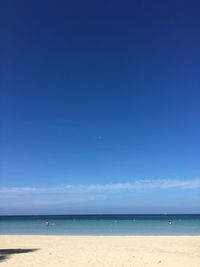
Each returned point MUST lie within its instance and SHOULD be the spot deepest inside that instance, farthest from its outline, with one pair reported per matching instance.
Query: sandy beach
(74, 251)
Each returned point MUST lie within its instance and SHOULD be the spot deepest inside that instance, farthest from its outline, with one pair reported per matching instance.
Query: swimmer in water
(169, 222)
(46, 223)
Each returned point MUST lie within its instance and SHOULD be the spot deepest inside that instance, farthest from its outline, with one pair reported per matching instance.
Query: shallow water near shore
(101, 225)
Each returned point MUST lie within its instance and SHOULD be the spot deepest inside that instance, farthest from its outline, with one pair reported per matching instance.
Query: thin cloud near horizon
(138, 184)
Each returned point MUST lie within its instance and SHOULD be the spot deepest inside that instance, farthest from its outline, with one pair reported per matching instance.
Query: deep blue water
(101, 225)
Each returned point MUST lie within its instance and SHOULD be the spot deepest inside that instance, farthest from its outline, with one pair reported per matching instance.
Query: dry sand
(58, 251)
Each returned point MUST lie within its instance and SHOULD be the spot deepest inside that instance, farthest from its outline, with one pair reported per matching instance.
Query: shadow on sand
(6, 253)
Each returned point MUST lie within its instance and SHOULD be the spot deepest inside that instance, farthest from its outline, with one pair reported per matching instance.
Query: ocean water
(101, 225)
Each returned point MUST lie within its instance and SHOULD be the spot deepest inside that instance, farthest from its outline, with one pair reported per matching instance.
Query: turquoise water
(101, 225)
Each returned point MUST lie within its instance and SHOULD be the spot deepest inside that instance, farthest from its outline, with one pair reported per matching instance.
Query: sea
(102, 225)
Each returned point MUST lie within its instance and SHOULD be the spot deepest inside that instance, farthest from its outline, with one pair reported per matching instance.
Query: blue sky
(100, 107)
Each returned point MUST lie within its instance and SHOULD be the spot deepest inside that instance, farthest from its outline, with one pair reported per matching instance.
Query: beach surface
(83, 251)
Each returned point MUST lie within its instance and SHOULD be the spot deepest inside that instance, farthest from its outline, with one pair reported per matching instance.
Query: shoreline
(109, 236)
(75, 251)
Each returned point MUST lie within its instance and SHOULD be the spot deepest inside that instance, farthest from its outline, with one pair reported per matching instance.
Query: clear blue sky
(100, 96)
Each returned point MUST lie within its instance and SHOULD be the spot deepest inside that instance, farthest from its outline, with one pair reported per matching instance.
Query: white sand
(100, 251)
